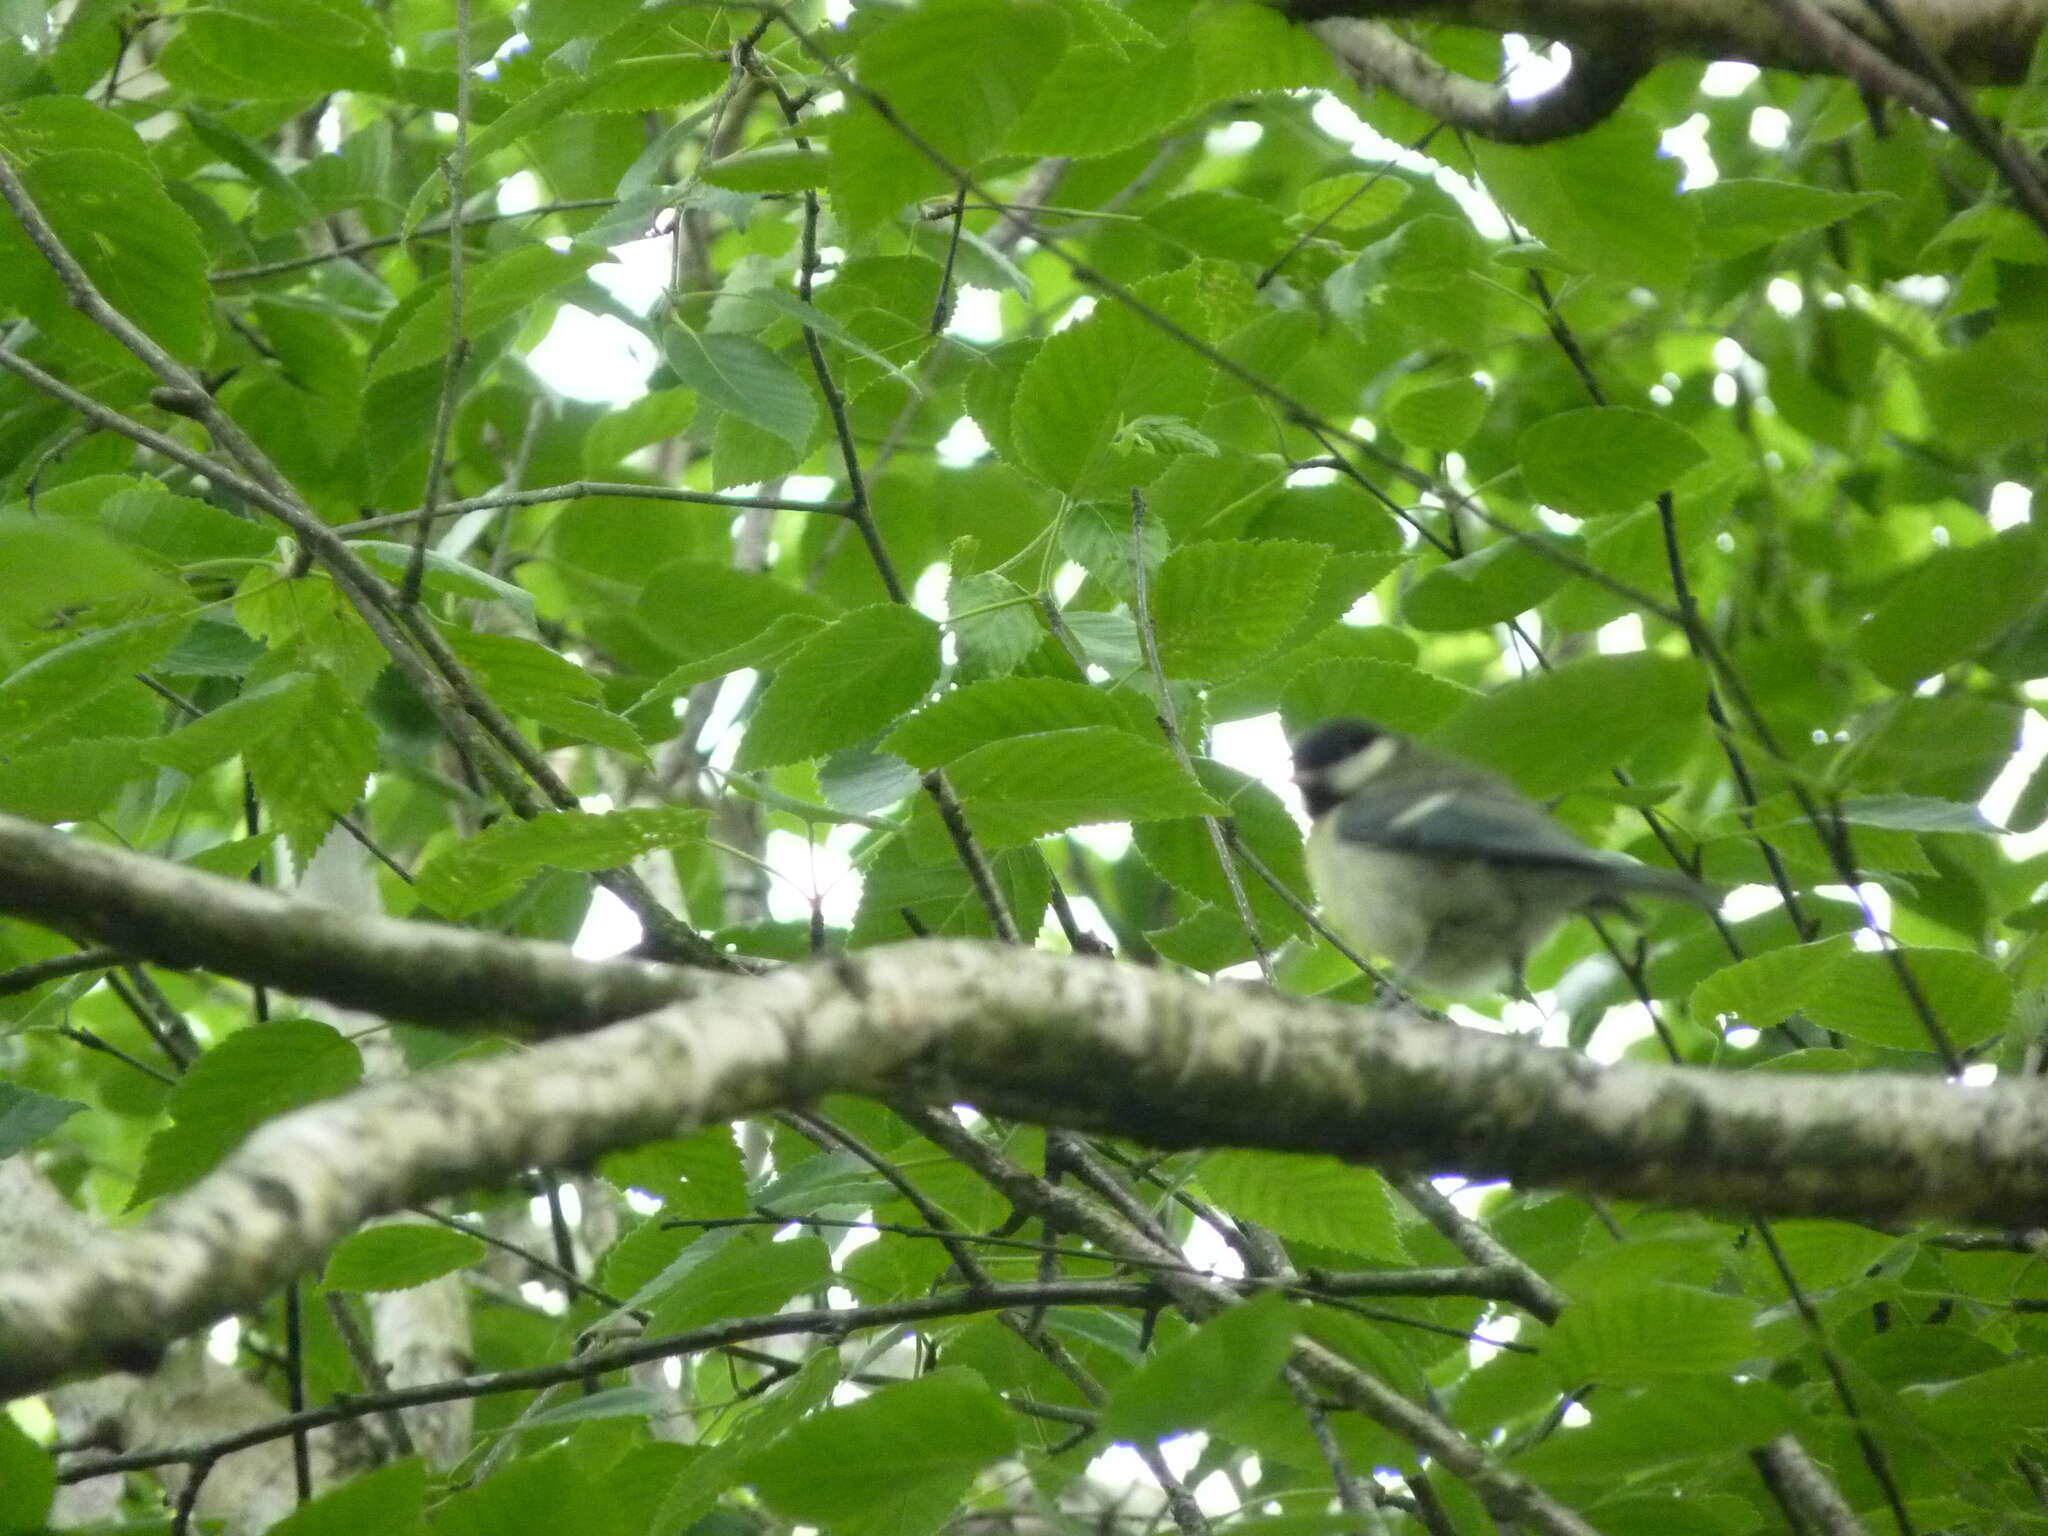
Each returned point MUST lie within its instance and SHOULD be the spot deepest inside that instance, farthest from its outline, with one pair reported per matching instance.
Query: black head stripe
(1332, 742)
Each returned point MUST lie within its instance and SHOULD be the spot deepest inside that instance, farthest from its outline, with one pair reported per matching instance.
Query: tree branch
(1062, 1040)
(1602, 76)
(175, 916)
(1986, 42)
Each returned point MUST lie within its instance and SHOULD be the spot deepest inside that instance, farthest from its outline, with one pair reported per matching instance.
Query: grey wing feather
(1464, 824)
(1459, 824)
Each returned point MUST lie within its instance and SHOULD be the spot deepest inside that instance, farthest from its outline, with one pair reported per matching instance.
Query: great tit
(1449, 873)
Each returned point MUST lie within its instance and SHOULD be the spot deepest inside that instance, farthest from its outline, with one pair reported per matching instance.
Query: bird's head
(1340, 757)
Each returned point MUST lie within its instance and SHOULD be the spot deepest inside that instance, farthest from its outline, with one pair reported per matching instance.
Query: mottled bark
(1053, 1038)
(1984, 42)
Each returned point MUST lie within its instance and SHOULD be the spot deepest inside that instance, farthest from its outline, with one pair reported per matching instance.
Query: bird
(1447, 871)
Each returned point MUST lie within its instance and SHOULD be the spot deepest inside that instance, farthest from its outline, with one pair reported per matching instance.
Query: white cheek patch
(1364, 765)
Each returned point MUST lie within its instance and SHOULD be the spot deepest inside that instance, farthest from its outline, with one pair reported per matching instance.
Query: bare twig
(1169, 727)
(455, 171)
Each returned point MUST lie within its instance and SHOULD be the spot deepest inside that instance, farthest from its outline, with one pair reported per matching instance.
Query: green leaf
(1504, 579)
(1245, 49)
(1224, 224)
(179, 529)
(738, 374)
(56, 564)
(995, 624)
(398, 1256)
(72, 781)
(1097, 536)
(1683, 1419)
(254, 1075)
(283, 205)
(309, 623)
(859, 783)
(311, 765)
(1862, 996)
(1026, 786)
(1914, 813)
(28, 1481)
(278, 50)
(697, 1175)
(2006, 1399)
(977, 713)
(41, 125)
(1605, 199)
(1308, 1199)
(526, 678)
(860, 1459)
(1080, 389)
(488, 868)
(712, 1475)
(447, 574)
(536, 1493)
(1389, 693)
(843, 684)
(1102, 97)
(26, 1116)
(1353, 200)
(1438, 416)
(744, 1279)
(659, 414)
(1553, 731)
(1739, 214)
(772, 168)
(1650, 1331)
(643, 1403)
(957, 74)
(498, 290)
(1769, 988)
(1184, 854)
(1189, 1383)
(1953, 604)
(66, 679)
(702, 609)
(1220, 605)
(1987, 394)
(141, 250)
(766, 650)
(226, 731)
(1604, 459)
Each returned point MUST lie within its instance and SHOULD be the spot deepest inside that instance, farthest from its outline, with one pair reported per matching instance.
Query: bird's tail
(1649, 880)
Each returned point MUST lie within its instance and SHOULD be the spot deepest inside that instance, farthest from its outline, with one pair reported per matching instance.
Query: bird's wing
(1465, 824)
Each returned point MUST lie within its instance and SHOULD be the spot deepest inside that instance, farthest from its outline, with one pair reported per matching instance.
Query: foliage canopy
(963, 369)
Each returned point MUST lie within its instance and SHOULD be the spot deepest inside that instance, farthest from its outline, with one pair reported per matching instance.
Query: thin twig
(826, 1132)
(25, 978)
(2013, 160)
(455, 171)
(374, 1377)
(1169, 727)
(624, 490)
(295, 1385)
(385, 242)
(1874, 1457)
(830, 1322)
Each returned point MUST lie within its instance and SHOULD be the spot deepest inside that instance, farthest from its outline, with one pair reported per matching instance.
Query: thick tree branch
(176, 916)
(1058, 1039)
(1984, 42)
(1600, 80)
